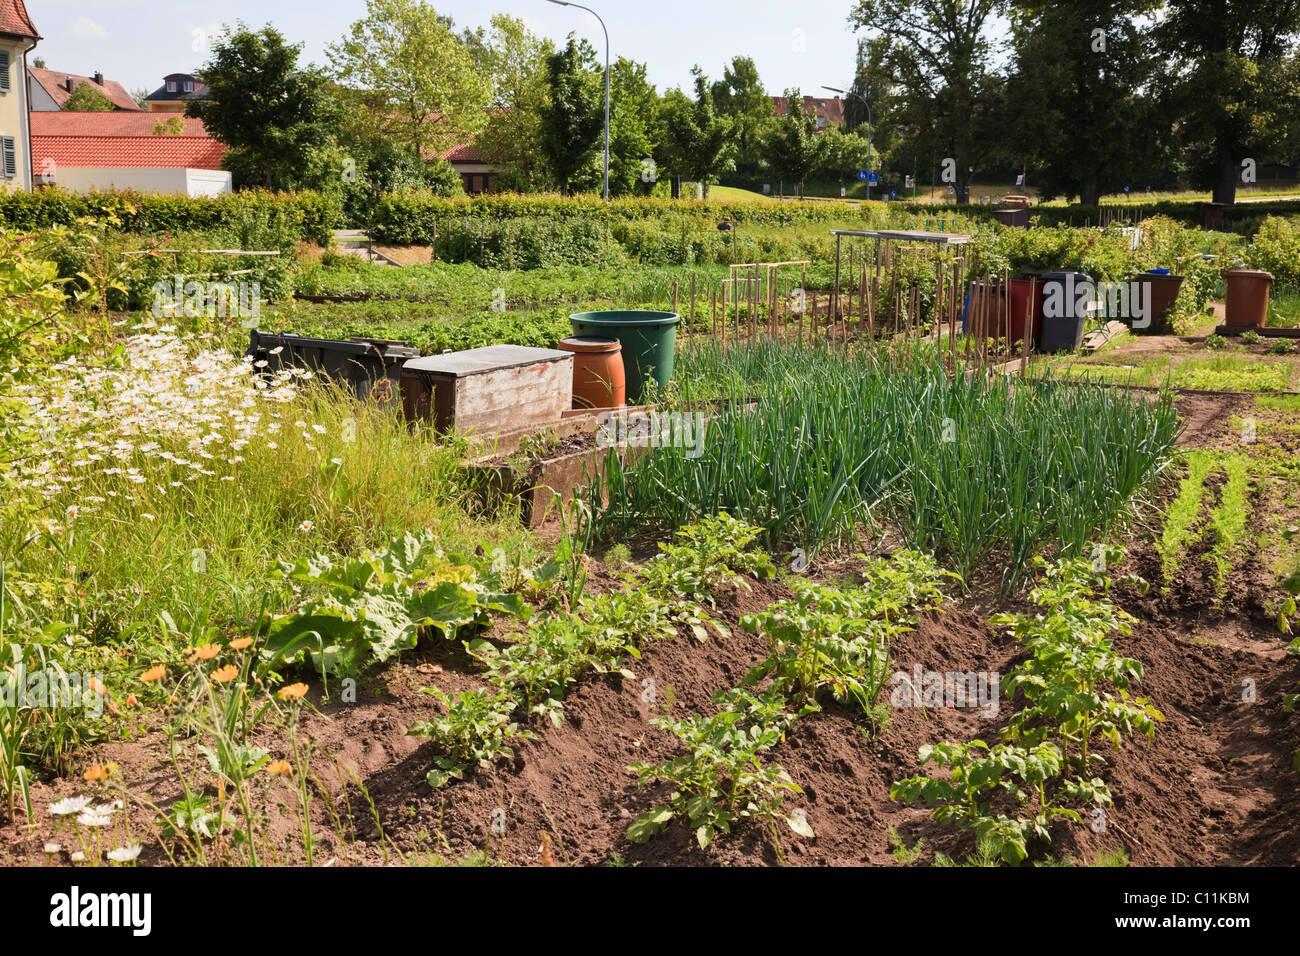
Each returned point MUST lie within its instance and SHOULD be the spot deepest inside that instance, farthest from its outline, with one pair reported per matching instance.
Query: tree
(173, 125)
(272, 114)
(697, 144)
(574, 117)
(514, 59)
(1229, 82)
(1084, 68)
(740, 96)
(88, 98)
(793, 147)
(843, 154)
(418, 79)
(937, 53)
(634, 109)
(141, 97)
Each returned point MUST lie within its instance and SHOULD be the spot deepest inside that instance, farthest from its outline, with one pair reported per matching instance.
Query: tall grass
(351, 477)
(967, 469)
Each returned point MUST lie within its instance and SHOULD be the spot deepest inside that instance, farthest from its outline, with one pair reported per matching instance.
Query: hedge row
(1244, 218)
(410, 217)
(303, 215)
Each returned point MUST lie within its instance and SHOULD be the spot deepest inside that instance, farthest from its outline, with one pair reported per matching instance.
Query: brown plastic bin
(1247, 299)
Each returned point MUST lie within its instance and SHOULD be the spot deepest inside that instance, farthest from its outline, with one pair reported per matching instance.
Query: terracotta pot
(1162, 294)
(1247, 299)
(598, 377)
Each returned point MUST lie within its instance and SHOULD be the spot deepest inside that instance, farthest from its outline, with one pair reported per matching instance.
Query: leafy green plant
(824, 638)
(1065, 681)
(955, 465)
(377, 604)
(1281, 346)
(713, 551)
(1066, 684)
(904, 854)
(473, 732)
(1250, 337)
(722, 780)
(975, 772)
(553, 653)
(1215, 342)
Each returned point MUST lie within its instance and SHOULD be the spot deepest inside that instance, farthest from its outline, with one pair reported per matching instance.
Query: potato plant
(824, 638)
(722, 779)
(473, 732)
(1075, 687)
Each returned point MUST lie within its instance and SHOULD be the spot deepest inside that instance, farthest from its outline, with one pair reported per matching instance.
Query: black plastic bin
(370, 367)
(1063, 332)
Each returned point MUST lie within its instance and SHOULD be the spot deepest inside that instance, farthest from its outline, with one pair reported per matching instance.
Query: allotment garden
(885, 558)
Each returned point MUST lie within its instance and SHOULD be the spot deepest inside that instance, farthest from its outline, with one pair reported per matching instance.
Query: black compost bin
(370, 367)
(1065, 310)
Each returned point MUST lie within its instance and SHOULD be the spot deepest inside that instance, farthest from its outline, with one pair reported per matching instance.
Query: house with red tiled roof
(50, 89)
(475, 174)
(127, 150)
(17, 38)
(829, 110)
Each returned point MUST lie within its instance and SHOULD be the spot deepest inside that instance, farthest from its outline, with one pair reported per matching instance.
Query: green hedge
(1243, 219)
(304, 215)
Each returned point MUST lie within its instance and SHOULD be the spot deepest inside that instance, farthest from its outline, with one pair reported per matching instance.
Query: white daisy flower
(69, 805)
(124, 854)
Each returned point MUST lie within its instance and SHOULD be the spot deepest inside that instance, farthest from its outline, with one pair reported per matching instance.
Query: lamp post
(868, 106)
(564, 3)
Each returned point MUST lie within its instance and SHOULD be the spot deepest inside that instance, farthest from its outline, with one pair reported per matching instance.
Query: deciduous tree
(273, 114)
(419, 80)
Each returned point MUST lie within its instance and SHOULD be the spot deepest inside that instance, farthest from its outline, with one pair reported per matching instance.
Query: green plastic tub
(648, 339)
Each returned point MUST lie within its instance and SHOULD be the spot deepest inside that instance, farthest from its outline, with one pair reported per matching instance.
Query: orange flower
(292, 692)
(97, 686)
(225, 674)
(241, 644)
(154, 673)
(279, 766)
(205, 652)
(131, 700)
(100, 772)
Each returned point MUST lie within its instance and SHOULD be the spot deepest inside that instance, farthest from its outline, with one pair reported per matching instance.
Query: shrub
(1276, 249)
(297, 215)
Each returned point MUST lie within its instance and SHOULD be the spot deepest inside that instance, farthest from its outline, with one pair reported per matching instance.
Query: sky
(135, 42)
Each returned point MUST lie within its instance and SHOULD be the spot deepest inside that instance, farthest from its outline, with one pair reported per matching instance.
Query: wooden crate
(493, 389)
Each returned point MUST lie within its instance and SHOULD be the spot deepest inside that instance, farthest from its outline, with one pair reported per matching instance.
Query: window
(10, 157)
(171, 86)
(821, 122)
(189, 86)
(4, 71)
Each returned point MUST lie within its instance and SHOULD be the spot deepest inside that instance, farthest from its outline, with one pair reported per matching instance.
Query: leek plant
(968, 469)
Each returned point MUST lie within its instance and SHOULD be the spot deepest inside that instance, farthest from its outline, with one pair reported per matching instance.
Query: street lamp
(868, 106)
(564, 3)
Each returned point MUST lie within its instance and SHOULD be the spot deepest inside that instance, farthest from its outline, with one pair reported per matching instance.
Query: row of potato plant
(1075, 691)
(825, 639)
(598, 635)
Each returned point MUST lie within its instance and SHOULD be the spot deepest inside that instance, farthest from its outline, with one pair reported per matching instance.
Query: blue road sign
(863, 175)
(874, 178)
